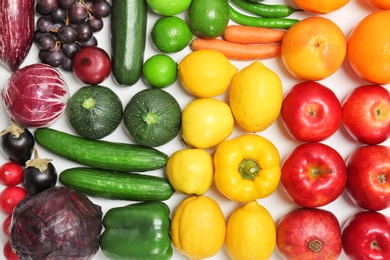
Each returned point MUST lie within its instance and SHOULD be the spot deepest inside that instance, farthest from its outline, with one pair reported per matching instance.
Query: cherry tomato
(11, 174)
(9, 253)
(10, 197)
(6, 224)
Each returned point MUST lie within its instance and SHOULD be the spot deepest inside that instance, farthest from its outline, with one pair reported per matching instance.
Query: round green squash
(94, 111)
(152, 117)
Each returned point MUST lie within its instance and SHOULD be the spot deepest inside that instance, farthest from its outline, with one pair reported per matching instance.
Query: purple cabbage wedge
(16, 31)
(58, 223)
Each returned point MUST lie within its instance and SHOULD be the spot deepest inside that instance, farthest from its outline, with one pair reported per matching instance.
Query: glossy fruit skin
(313, 175)
(91, 65)
(17, 31)
(38, 181)
(309, 234)
(368, 171)
(18, 149)
(208, 19)
(370, 105)
(198, 227)
(168, 8)
(10, 197)
(366, 235)
(311, 112)
(11, 174)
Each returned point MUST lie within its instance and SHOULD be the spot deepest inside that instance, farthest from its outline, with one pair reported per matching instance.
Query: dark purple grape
(91, 42)
(67, 64)
(45, 7)
(67, 34)
(56, 26)
(37, 35)
(101, 8)
(70, 49)
(66, 3)
(44, 24)
(78, 13)
(58, 15)
(95, 23)
(42, 56)
(46, 42)
(55, 57)
(84, 32)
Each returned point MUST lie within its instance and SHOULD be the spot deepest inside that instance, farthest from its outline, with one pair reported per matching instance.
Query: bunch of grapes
(64, 26)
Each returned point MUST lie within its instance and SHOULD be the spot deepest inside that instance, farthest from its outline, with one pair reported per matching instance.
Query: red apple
(311, 112)
(309, 234)
(313, 175)
(366, 114)
(368, 177)
(91, 65)
(366, 235)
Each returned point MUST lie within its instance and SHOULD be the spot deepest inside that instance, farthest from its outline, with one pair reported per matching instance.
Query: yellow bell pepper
(247, 168)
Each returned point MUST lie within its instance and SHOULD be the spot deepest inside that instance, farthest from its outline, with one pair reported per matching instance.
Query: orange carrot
(237, 51)
(252, 35)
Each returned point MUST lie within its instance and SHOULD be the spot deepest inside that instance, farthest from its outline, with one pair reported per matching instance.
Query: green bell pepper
(137, 231)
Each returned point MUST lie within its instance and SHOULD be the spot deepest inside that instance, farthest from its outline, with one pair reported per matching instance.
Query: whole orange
(368, 49)
(314, 48)
(321, 6)
(380, 4)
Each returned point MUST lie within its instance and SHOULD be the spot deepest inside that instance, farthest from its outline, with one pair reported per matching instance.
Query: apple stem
(249, 168)
(315, 245)
(374, 245)
(317, 172)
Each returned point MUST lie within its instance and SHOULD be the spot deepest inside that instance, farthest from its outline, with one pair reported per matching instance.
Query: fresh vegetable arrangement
(194, 169)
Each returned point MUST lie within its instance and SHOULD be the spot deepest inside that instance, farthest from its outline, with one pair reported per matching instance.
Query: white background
(341, 82)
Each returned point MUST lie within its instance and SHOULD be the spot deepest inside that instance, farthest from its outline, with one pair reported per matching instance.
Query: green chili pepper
(137, 231)
(254, 1)
(277, 23)
(265, 10)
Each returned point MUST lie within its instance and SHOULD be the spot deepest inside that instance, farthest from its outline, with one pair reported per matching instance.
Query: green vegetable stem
(266, 10)
(266, 22)
(137, 231)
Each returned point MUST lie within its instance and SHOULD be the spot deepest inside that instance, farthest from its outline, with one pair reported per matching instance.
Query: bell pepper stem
(249, 168)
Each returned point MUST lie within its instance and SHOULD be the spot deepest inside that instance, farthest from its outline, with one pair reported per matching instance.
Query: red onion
(35, 95)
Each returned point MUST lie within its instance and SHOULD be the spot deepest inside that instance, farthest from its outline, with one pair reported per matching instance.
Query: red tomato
(10, 197)
(6, 224)
(9, 253)
(11, 174)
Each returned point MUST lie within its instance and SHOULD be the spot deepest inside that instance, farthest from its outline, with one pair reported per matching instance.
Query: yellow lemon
(198, 227)
(206, 73)
(255, 97)
(250, 233)
(190, 171)
(206, 122)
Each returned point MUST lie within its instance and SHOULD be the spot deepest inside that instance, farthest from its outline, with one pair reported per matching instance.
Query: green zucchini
(116, 185)
(101, 154)
(128, 40)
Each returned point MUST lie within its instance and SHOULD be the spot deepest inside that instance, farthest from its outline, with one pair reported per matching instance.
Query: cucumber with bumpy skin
(101, 154)
(128, 40)
(116, 185)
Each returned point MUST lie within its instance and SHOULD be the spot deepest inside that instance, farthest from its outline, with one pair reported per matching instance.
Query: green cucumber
(128, 40)
(116, 185)
(101, 154)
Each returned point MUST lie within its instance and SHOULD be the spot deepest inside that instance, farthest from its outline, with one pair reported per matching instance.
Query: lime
(171, 34)
(160, 71)
(168, 7)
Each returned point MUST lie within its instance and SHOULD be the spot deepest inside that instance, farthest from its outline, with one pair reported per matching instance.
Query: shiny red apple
(368, 177)
(366, 235)
(91, 65)
(313, 175)
(311, 112)
(366, 114)
(313, 234)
